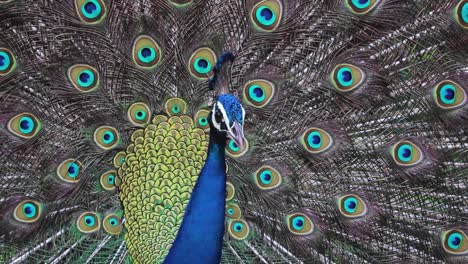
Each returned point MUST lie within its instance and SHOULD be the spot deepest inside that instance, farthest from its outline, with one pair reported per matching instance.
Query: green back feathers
(156, 180)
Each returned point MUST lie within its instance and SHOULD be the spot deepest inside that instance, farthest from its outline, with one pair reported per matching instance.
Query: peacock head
(227, 118)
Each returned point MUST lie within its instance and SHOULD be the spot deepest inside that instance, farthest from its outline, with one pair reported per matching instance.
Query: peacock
(237, 131)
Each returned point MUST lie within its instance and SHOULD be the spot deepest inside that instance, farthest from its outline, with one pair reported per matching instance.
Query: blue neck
(200, 237)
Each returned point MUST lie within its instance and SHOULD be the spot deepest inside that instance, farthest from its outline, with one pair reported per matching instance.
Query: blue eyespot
(26, 125)
(265, 16)
(447, 94)
(147, 54)
(140, 115)
(73, 170)
(202, 66)
(361, 4)
(230, 211)
(256, 93)
(29, 210)
(91, 9)
(266, 177)
(314, 140)
(233, 146)
(5, 61)
(86, 78)
(455, 241)
(298, 223)
(350, 205)
(108, 137)
(345, 77)
(405, 152)
(111, 179)
(237, 227)
(175, 109)
(113, 222)
(89, 220)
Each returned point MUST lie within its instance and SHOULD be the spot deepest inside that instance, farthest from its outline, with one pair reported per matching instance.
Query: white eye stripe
(225, 119)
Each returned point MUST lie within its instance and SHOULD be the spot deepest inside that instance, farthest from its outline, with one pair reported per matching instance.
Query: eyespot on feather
(84, 77)
(461, 13)
(258, 93)
(234, 151)
(449, 95)
(112, 224)
(239, 229)
(316, 140)
(361, 7)
(146, 52)
(91, 11)
(7, 62)
(230, 191)
(24, 125)
(201, 63)
(175, 106)
(88, 222)
(455, 241)
(299, 224)
(352, 206)
(267, 178)
(266, 15)
(28, 211)
(346, 77)
(119, 159)
(69, 170)
(406, 153)
(139, 114)
(233, 211)
(201, 119)
(106, 137)
(108, 179)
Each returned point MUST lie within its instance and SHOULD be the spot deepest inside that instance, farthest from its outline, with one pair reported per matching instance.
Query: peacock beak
(236, 133)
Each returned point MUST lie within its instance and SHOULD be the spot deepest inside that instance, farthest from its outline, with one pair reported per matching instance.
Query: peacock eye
(258, 93)
(233, 211)
(455, 242)
(316, 140)
(461, 12)
(88, 222)
(300, 224)
(7, 61)
(406, 153)
(107, 180)
(119, 159)
(201, 63)
(230, 191)
(239, 229)
(112, 224)
(83, 77)
(266, 15)
(234, 150)
(347, 77)
(352, 206)
(267, 178)
(449, 95)
(24, 125)
(201, 119)
(361, 6)
(28, 211)
(175, 106)
(106, 137)
(69, 170)
(139, 114)
(91, 11)
(146, 52)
